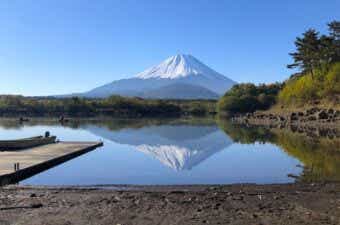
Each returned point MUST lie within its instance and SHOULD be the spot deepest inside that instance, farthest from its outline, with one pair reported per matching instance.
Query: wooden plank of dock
(19, 165)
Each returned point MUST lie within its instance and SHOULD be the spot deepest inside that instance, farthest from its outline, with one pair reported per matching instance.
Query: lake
(179, 151)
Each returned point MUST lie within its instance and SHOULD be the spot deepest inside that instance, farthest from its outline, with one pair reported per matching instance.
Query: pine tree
(334, 31)
(307, 52)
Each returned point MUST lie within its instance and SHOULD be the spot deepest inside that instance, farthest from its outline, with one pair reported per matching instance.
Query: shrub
(332, 80)
(307, 88)
(243, 98)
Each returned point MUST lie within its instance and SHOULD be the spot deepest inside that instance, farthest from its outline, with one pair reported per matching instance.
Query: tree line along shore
(115, 106)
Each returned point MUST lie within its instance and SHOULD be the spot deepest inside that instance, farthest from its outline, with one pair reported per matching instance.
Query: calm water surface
(180, 152)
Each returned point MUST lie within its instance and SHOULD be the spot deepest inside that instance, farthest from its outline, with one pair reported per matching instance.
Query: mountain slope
(180, 91)
(179, 69)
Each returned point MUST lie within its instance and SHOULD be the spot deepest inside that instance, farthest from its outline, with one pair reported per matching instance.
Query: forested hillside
(318, 59)
(316, 82)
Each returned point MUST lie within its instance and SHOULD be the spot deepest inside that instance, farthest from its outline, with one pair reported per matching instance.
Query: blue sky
(62, 46)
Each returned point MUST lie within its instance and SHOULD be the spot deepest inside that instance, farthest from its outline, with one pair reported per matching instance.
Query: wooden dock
(20, 165)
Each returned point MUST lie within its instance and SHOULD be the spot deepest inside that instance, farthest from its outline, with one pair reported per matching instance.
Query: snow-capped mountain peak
(178, 77)
(178, 66)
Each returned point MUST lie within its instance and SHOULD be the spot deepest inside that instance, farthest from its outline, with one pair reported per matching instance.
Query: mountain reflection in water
(181, 147)
(197, 151)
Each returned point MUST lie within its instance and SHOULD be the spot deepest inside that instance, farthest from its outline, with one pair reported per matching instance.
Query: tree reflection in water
(320, 155)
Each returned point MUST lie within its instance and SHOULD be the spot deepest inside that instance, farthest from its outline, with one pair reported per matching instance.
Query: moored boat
(19, 144)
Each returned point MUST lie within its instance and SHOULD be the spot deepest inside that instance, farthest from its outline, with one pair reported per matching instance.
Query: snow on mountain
(172, 75)
(179, 66)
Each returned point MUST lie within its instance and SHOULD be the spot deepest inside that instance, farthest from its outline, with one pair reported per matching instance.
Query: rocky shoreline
(221, 204)
(313, 121)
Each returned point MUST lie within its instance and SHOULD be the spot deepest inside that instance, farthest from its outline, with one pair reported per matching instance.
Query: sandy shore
(231, 204)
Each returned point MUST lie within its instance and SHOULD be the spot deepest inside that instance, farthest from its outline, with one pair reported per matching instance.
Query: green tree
(243, 98)
(334, 31)
(306, 56)
(314, 53)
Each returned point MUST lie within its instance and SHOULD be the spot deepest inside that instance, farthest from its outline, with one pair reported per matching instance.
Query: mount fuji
(178, 77)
